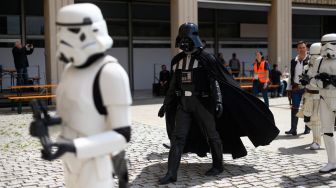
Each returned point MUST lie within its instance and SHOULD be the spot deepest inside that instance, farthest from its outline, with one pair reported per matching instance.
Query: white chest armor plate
(75, 103)
(329, 93)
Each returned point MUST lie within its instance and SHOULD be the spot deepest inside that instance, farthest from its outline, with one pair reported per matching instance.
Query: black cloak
(243, 114)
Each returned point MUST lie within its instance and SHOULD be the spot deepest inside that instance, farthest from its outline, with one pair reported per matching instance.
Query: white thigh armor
(328, 94)
(92, 132)
(311, 96)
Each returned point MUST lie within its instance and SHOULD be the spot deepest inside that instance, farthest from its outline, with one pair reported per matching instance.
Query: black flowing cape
(243, 115)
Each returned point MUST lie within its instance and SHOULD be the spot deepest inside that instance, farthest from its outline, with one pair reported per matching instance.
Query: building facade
(144, 31)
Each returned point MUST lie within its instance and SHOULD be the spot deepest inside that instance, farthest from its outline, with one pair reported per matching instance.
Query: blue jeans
(296, 98)
(259, 87)
(22, 76)
(281, 88)
(278, 92)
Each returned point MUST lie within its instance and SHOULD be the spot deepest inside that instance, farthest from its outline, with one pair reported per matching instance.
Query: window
(306, 27)
(10, 19)
(34, 23)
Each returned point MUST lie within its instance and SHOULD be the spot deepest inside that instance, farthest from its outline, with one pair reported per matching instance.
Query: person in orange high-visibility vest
(261, 76)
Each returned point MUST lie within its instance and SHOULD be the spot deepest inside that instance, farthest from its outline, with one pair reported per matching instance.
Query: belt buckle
(187, 93)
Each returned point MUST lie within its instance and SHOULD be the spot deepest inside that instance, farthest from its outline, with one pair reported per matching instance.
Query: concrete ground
(145, 111)
(286, 162)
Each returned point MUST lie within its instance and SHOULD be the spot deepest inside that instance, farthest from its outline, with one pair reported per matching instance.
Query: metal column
(130, 49)
(23, 22)
(216, 38)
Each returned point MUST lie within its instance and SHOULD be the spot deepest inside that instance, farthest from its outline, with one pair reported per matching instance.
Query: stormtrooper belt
(191, 93)
(312, 91)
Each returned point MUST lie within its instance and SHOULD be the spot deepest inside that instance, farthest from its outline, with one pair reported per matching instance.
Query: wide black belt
(191, 93)
(312, 91)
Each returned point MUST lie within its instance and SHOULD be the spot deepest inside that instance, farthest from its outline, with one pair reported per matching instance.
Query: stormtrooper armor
(97, 136)
(326, 82)
(82, 32)
(311, 96)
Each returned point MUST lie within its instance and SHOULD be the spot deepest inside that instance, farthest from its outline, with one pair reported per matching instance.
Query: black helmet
(188, 38)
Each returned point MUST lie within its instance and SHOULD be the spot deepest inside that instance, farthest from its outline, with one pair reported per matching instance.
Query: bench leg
(12, 105)
(19, 106)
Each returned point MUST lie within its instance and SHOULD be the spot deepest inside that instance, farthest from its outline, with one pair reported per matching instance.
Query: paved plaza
(285, 163)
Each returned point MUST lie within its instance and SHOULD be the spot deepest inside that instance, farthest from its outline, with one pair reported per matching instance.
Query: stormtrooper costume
(326, 82)
(93, 98)
(311, 97)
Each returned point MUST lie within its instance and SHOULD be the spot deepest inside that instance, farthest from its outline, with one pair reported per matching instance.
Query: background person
(221, 59)
(295, 87)
(275, 76)
(164, 80)
(21, 61)
(261, 77)
(234, 64)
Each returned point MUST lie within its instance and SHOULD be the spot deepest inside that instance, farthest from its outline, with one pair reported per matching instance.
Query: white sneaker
(330, 167)
(314, 146)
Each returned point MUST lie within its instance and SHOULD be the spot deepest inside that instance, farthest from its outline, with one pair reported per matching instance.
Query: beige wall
(317, 2)
(280, 32)
(320, 2)
(181, 11)
(53, 68)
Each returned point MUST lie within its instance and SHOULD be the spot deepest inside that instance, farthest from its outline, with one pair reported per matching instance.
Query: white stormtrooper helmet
(328, 43)
(315, 51)
(82, 32)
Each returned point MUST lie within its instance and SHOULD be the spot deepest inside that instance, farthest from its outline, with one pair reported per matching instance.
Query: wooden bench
(246, 83)
(249, 86)
(32, 97)
(20, 96)
(240, 79)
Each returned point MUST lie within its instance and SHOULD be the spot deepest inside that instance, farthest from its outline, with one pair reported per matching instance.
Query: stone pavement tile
(244, 185)
(22, 165)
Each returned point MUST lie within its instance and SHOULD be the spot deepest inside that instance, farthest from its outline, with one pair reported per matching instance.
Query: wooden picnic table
(33, 86)
(28, 96)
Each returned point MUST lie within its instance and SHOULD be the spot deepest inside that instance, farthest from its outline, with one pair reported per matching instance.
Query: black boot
(217, 159)
(174, 159)
(307, 130)
(294, 121)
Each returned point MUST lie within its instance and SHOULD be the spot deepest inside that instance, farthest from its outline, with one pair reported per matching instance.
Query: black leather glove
(304, 79)
(219, 110)
(162, 111)
(61, 147)
(38, 128)
(333, 80)
(325, 78)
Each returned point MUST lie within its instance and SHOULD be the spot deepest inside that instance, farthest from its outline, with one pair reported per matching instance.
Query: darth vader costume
(207, 111)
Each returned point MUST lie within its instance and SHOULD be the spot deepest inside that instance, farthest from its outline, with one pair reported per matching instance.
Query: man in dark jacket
(295, 87)
(164, 80)
(21, 62)
(275, 76)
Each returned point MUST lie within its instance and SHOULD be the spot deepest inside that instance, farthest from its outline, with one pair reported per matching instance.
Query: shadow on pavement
(314, 179)
(157, 156)
(146, 101)
(160, 156)
(289, 137)
(189, 174)
(298, 150)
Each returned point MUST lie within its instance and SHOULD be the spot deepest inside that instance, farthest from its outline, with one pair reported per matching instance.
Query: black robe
(243, 114)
